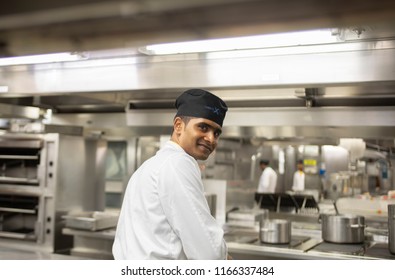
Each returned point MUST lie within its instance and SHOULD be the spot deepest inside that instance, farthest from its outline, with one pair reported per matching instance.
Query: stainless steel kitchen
(87, 94)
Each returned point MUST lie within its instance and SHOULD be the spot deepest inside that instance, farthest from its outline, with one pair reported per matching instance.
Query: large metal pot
(343, 228)
(391, 228)
(275, 231)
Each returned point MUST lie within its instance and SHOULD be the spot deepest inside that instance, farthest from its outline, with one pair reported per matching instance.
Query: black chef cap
(200, 103)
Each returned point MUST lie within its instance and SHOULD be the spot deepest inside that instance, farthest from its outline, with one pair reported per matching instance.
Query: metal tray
(92, 221)
(26, 234)
(5, 179)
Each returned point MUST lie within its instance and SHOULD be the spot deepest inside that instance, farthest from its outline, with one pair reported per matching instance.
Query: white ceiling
(44, 26)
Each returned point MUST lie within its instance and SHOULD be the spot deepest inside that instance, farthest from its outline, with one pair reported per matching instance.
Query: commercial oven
(42, 177)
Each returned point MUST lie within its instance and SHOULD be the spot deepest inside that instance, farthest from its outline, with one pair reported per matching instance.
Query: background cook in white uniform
(268, 179)
(165, 214)
(298, 178)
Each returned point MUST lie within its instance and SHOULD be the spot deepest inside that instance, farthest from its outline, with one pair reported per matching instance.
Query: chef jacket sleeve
(183, 201)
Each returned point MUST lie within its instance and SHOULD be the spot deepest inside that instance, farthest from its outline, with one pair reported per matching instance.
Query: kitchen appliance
(42, 177)
(391, 228)
(275, 231)
(343, 228)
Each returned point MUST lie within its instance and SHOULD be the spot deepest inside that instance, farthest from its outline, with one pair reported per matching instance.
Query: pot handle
(357, 226)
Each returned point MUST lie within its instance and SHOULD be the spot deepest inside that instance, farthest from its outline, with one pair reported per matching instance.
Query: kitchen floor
(18, 254)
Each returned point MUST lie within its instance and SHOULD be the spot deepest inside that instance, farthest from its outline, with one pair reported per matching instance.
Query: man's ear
(178, 124)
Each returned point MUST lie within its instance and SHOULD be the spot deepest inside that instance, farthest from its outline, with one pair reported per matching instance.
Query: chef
(268, 180)
(164, 214)
(298, 178)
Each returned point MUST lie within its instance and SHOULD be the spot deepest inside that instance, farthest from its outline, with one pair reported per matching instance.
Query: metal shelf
(19, 157)
(19, 235)
(18, 180)
(18, 210)
(25, 190)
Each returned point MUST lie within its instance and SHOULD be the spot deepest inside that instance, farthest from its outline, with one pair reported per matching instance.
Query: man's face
(198, 138)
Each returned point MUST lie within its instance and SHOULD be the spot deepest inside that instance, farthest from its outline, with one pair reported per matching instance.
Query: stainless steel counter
(261, 251)
(306, 244)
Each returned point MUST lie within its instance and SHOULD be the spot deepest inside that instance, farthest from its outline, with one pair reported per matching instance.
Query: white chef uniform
(267, 181)
(298, 181)
(165, 214)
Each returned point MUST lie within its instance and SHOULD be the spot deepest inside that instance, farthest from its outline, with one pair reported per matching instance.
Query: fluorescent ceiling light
(239, 43)
(41, 58)
(3, 89)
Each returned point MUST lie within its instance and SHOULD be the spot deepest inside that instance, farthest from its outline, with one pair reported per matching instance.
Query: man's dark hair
(185, 119)
(264, 161)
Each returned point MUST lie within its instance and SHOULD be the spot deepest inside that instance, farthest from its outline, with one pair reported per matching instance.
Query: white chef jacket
(267, 181)
(165, 214)
(298, 181)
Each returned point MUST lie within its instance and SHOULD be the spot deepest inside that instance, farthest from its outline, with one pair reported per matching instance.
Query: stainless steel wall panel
(247, 117)
(343, 116)
(273, 123)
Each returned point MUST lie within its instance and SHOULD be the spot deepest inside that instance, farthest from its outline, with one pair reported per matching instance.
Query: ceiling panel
(31, 27)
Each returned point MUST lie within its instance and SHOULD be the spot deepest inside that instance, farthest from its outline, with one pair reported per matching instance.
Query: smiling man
(165, 214)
